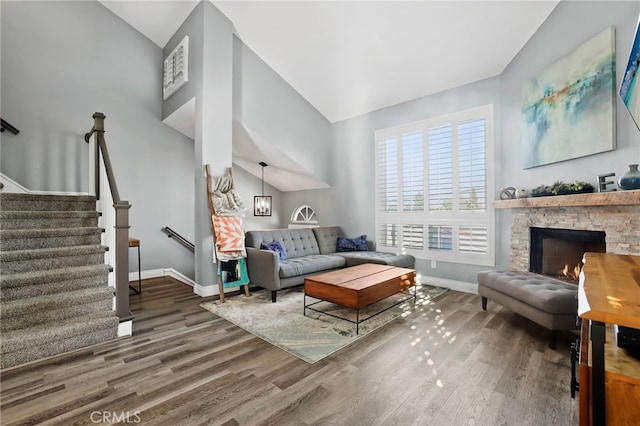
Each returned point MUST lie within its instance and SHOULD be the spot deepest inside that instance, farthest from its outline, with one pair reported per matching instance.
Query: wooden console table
(609, 294)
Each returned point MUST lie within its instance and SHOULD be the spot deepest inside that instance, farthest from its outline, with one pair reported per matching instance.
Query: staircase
(54, 293)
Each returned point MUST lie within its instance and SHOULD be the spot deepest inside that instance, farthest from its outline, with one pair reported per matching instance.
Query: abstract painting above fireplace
(568, 109)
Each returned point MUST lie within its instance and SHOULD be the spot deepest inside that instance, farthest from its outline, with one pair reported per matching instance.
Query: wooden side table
(133, 242)
(609, 378)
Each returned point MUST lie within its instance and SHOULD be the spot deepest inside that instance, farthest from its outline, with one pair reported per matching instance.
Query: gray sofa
(308, 251)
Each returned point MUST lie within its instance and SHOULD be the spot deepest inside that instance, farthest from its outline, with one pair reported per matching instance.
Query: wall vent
(176, 69)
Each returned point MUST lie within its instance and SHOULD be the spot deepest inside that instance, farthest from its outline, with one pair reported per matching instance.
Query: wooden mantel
(613, 198)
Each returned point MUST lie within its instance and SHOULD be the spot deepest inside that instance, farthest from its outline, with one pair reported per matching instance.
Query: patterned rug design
(314, 336)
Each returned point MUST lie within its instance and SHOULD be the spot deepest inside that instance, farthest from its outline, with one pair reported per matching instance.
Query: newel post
(122, 260)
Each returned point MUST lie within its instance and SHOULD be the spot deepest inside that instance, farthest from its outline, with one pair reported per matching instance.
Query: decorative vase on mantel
(631, 179)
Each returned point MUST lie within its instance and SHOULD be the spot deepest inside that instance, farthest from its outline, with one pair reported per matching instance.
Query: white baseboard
(125, 328)
(11, 186)
(462, 286)
(199, 289)
(212, 290)
(162, 272)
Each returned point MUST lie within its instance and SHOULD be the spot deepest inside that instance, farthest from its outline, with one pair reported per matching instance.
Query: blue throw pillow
(356, 244)
(275, 246)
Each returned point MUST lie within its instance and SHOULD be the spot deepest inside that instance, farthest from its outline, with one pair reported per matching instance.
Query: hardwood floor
(449, 364)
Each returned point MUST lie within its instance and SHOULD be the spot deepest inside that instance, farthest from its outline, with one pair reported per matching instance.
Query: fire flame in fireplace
(571, 274)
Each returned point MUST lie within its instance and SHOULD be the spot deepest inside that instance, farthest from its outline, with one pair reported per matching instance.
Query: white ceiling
(349, 58)
(352, 57)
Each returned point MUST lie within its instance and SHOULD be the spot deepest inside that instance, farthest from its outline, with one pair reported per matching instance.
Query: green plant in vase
(559, 188)
(580, 187)
(541, 191)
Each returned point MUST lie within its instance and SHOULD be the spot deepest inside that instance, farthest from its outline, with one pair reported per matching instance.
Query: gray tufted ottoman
(549, 302)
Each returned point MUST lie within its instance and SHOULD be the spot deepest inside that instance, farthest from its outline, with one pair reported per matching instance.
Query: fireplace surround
(617, 214)
(558, 253)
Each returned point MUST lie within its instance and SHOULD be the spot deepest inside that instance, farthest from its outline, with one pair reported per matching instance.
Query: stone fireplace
(558, 253)
(616, 214)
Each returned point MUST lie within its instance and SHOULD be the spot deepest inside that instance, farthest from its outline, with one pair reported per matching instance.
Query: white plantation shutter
(472, 168)
(473, 239)
(413, 236)
(441, 237)
(388, 235)
(412, 172)
(388, 175)
(440, 168)
(433, 186)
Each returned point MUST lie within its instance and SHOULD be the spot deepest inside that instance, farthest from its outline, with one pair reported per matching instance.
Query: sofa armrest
(263, 267)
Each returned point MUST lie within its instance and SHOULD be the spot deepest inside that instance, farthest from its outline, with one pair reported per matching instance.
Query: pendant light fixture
(262, 203)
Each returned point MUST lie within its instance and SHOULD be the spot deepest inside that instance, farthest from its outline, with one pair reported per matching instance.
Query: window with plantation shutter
(433, 185)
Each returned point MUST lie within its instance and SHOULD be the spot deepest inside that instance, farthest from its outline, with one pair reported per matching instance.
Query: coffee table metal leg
(304, 310)
(357, 321)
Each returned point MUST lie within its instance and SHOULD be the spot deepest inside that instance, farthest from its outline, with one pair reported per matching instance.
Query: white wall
(53, 79)
(569, 26)
(61, 62)
(350, 202)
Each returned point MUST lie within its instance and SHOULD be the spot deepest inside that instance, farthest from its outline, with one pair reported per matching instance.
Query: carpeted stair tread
(52, 275)
(51, 281)
(20, 346)
(20, 219)
(47, 233)
(44, 333)
(50, 252)
(54, 284)
(59, 346)
(50, 309)
(50, 258)
(33, 305)
(23, 239)
(15, 201)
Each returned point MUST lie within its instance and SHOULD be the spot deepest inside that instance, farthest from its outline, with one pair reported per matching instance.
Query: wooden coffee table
(359, 286)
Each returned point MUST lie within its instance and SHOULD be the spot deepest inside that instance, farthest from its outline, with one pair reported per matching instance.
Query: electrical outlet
(433, 264)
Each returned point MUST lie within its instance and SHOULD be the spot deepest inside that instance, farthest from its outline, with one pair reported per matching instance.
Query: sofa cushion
(355, 244)
(327, 238)
(358, 257)
(310, 264)
(542, 292)
(296, 242)
(275, 246)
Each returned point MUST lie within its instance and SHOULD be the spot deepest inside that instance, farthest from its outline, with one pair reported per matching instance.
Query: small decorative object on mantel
(603, 182)
(631, 179)
(508, 193)
(561, 188)
(522, 193)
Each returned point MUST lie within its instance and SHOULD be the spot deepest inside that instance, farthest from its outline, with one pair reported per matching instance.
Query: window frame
(456, 218)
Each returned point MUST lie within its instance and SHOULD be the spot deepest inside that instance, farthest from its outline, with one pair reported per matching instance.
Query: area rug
(316, 335)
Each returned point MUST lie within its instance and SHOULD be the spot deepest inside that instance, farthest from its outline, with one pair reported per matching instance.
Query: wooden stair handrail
(182, 240)
(121, 219)
(5, 125)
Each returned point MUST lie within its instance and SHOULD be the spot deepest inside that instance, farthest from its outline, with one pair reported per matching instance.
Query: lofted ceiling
(348, 58)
